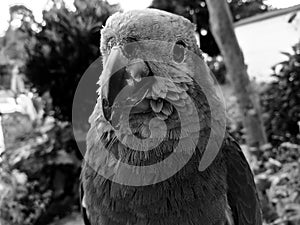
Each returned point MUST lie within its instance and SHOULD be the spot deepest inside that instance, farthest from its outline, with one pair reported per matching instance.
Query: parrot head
(154, 84)
(146, 65)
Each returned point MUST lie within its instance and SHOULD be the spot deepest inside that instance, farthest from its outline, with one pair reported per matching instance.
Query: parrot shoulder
(242, 195)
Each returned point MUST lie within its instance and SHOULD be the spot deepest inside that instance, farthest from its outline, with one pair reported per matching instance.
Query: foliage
(281, 101)
(12, 43)
(5, 76)
(67, 43)
(21, 10)
(15, 126)
(197, 12)
(277, 177)
(39, 170)
(13, 46)
(39, 177)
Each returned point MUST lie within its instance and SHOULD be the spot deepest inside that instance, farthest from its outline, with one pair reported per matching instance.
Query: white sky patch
(282, 3)
(37, 7)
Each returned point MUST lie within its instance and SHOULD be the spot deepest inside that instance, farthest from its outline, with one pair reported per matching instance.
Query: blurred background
(47, 45)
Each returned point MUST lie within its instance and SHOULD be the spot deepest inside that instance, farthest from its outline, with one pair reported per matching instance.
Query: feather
(242, 194)
(167, 109)
(156, 105)
(172, 96)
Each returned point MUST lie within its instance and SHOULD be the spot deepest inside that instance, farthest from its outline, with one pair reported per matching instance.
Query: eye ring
(179, 51)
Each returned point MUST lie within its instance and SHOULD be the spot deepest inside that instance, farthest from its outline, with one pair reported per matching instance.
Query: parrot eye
(178, 51)
(131, 46)
(130, 49)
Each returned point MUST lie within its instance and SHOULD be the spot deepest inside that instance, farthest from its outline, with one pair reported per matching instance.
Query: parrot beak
(120, 83)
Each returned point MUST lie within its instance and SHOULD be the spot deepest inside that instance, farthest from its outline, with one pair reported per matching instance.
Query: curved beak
(120, 72)
(113, 74)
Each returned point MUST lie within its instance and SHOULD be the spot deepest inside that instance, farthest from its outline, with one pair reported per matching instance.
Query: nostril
(106, 109)
(105, 103)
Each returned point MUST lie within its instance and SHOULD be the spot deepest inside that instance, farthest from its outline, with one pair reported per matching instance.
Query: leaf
(286, 54)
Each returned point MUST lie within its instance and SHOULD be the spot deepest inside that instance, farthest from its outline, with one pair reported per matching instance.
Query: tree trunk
(222, 29)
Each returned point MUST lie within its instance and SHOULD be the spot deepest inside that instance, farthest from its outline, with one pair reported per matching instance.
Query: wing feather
(242, 194)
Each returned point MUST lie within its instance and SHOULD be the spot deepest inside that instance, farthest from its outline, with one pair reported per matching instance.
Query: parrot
(154, 94)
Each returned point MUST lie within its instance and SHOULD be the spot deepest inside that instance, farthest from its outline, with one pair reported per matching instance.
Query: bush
(67, 43)
(281, 101)
(39, 177)
(277, 179)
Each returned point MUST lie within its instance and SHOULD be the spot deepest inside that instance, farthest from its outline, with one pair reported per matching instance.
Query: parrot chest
(189, 197)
